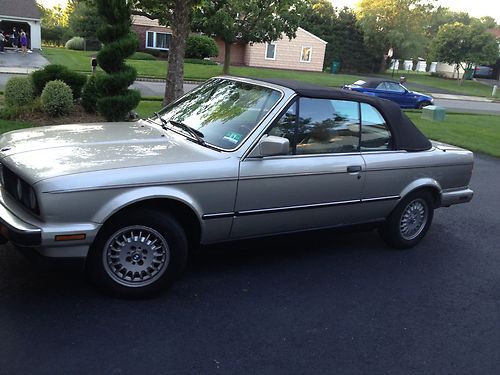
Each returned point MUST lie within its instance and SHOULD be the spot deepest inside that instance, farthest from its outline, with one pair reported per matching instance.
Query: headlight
(19, 189)
(32, 200)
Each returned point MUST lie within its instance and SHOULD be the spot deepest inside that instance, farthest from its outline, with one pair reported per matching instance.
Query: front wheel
(138, 254)
(409, 221)
(423, 104)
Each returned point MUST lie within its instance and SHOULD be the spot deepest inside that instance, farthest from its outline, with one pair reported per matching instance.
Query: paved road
(322, 303)
(158, 88)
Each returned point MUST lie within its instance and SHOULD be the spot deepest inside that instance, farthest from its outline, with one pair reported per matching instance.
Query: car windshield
(223, 112)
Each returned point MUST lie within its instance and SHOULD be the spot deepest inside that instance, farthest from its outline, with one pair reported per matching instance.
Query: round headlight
(19, 189)
(32, 199)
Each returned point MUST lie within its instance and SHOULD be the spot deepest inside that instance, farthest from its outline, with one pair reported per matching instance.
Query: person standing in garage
(14, 39)
(24, 42)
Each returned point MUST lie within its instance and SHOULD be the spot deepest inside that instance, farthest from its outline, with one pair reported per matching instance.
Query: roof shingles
(19, 8)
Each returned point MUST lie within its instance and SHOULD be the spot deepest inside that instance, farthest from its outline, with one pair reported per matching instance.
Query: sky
(476, 8)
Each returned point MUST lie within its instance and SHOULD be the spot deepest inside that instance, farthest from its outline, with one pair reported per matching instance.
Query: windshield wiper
(195, 133)
(163, 121)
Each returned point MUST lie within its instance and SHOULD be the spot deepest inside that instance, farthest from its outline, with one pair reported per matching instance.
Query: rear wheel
(409, 221)
(138, 254)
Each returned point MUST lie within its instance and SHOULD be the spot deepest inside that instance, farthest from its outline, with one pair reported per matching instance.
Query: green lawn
(146, 108)
(479, 133)
(80, 61)
(7, 125)
(467, 88)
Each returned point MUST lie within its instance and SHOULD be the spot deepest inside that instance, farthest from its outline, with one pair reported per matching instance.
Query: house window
(270, 51)
(306, 54)
(157, 40)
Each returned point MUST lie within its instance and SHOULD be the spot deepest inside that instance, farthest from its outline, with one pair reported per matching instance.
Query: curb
(461, 97)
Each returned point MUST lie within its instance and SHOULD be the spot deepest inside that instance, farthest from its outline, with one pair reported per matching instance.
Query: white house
(21, 14)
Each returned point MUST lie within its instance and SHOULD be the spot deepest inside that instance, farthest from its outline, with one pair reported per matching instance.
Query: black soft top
(406, 135)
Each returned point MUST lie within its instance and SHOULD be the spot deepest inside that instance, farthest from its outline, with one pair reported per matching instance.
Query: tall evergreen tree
(116, 100)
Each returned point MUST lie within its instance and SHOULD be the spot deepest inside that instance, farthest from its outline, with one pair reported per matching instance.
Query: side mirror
(270, 145)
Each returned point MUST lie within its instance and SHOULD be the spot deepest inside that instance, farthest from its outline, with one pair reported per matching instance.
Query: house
(305, 52)
(152, 36)
(22, 14)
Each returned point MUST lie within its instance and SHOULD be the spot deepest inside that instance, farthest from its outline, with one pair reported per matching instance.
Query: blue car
(392, 91)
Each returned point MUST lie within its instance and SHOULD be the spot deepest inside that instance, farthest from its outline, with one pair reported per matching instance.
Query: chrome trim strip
(392, 197)
(293, 208)
(221, 215)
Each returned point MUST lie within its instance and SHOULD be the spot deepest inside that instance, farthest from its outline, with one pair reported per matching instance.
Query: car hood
(420, 94)
(44, 152)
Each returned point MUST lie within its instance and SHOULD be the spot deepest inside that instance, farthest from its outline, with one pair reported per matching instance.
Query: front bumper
(17, 231)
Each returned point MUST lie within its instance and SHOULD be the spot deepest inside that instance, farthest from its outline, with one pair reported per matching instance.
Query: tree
(247, 21)
(464, 45)
(344, 36)
(176, 14)
(397, 24)
(116, 100)
(85, 20)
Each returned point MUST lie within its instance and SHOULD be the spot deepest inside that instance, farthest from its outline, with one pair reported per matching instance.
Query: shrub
(117, 107)
(58, 72)
(90, 95)
(54, 35)
(57, 98)
(76, 43)
(142, 56)
(200, 46)
(19, 91)
(198, 61)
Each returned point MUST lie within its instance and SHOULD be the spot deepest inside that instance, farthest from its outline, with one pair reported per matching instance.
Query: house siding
(288, 53)
(238, 52)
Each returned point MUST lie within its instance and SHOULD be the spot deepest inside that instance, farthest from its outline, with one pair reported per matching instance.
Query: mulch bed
(77, 116)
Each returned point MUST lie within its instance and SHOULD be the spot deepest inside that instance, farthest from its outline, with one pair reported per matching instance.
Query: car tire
(138, 254)
(409, 221)
(423, 104)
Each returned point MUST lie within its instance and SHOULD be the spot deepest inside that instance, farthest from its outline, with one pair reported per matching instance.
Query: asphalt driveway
(321, 303)
(12, 59)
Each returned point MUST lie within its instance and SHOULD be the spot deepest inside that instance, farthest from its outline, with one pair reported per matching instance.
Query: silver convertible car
(235, 158)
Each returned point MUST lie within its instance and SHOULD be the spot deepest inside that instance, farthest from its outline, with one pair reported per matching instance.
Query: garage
(22, 15)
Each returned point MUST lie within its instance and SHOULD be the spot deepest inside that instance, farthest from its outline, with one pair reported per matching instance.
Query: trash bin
(468, 74)
(335, 67)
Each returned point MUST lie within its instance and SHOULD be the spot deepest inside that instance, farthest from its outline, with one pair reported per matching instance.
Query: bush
(76, 43)
(142, 56)
(54, 35)
(58, 72)
(19, 92)
(200, 46)
(90, 95)
(117, 107)
(57, 98)
(198, 61)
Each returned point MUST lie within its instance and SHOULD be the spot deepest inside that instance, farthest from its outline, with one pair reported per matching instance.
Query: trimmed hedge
(90, 95)
(200, 46)
(58, 72)
(19, 92)
(57, 98)
(76, 43)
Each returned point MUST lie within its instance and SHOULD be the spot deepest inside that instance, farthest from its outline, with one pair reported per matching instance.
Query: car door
(387, 172)
(318, 184)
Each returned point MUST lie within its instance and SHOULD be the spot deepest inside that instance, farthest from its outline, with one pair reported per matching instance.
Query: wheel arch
(424, 184)
(181, 208)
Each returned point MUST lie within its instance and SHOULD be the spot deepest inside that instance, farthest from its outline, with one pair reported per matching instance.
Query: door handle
(354, 168)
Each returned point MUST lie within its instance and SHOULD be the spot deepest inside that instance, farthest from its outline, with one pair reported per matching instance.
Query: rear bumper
(449, 198)
(17, 231)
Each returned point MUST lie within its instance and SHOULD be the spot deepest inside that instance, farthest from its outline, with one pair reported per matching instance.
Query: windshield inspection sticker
(232, 137)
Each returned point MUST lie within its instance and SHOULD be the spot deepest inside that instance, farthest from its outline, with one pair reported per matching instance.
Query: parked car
(233, 159)
(391, 90)
(482, 71)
